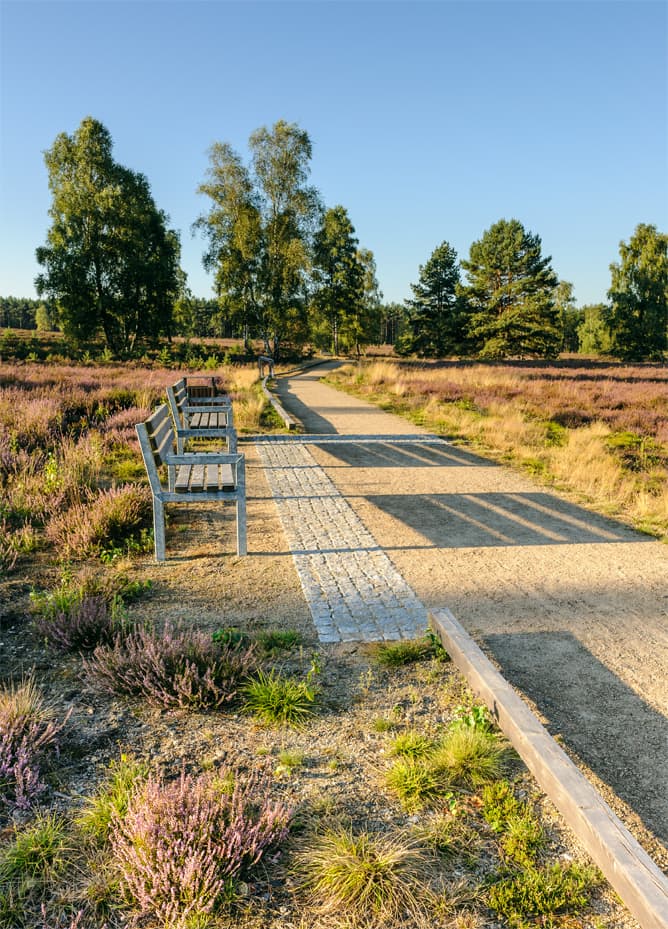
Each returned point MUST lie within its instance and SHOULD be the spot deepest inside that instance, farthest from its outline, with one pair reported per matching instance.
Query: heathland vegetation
(157, 771)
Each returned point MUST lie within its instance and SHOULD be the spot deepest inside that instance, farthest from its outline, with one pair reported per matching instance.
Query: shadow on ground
(478, 520)
(598, 716)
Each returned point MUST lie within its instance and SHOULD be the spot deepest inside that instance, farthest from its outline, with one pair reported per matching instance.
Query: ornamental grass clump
(171, 667)
(277, 700)
(28, 735)
(181, 846)
(364, 878)
(470, 757)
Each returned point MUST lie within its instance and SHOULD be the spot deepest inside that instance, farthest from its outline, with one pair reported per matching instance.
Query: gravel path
(573, 607)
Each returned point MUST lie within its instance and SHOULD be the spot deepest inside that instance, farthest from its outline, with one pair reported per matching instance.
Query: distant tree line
(511, 303)
(291, 271)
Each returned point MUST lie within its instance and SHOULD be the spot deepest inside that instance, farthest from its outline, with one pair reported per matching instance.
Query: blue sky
(430, 121)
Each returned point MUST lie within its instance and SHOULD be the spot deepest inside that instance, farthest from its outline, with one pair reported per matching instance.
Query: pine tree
(436, 314)
(510, 294)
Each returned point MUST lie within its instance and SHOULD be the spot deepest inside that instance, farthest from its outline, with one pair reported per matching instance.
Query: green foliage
(543, 893)
(436, 314)
(523, 838)
(258, 232)
(337, 272)
(593, 333)
(638, 314)
(368, 878)
(416, 782)
(278, 640)
(472, 717)
(412, 744)
(511, 294)
(111, 798)
(231, 637)
(499, 804)
(405, 651)
(278, 700)
(470, 757)
(36, 852)
(110, 261)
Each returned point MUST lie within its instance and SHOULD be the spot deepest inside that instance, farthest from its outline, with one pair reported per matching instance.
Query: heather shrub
(112, 519)
(28, 734)
(172, 667)
(181, 845)
(85, 611)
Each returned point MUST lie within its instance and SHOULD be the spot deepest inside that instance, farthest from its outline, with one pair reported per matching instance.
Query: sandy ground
(573, 607)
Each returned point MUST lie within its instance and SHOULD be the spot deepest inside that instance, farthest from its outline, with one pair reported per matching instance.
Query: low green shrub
(535, 895)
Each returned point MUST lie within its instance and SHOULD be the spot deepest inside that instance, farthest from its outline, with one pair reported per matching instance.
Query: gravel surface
(572, 607)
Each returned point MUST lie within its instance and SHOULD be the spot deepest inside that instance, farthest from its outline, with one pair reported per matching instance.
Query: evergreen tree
(436, 316)
(511, 294)
(638, 315)
(337, 272)
(110, 261)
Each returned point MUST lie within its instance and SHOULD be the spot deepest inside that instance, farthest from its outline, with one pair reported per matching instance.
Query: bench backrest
(156, 440)
(177, 396)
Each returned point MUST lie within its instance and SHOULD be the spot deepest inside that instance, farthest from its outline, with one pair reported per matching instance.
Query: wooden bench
(193, 476)
(200, 418)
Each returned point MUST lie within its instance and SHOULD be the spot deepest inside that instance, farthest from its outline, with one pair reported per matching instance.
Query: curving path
(572, 606)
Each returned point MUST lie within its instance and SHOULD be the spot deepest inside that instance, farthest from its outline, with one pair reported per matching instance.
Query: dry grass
(600, 431)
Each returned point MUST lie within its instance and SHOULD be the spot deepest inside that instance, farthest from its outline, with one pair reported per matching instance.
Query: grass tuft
(369, 879)
(470, 757)
(277, 700)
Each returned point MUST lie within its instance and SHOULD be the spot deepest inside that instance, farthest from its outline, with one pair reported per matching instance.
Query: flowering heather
(180, 845)
(81, 625)
(110, 519)
(27, 733)
(174, 667)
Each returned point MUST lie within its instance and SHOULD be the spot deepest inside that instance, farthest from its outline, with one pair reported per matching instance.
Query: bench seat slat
(182, 479)
(197, 478)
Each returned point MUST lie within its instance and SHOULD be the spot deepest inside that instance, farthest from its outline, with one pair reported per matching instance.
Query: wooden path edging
(639, 882)
(287, 419)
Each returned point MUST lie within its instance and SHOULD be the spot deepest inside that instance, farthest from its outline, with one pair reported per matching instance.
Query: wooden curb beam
(631, 872)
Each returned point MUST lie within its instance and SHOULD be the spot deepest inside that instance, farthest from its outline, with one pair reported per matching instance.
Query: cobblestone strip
(352, 588)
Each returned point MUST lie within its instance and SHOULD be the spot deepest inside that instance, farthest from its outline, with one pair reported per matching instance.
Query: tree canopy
(260, 229)
(338, 274)
(436, 314)
(510, 294)
(111, 263)
(638, 313)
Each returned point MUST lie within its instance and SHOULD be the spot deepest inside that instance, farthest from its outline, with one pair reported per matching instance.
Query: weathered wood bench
(200, 418)
(193, 476)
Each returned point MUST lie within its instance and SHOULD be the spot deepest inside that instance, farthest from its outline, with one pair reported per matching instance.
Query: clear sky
(430, 121)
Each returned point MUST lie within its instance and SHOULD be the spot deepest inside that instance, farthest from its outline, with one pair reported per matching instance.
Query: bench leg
(242, 545)
(159, 529)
